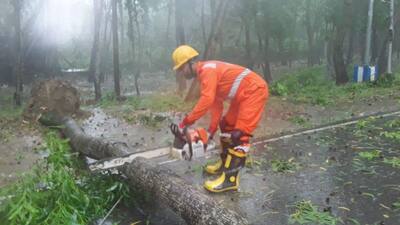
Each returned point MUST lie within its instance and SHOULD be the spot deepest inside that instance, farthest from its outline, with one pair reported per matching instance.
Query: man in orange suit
(219, 82)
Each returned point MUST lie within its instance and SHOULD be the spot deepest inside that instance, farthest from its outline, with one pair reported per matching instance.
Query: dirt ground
(20, 148)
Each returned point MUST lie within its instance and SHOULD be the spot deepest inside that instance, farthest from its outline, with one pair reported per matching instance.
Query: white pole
(369, 28)
(391, 33)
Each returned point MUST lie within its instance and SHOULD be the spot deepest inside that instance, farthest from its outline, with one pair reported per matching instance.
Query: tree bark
(117, 87)
(382, 58)
(391, 33)
(310, 35)
(338, 61)
(168, 188)
(352, 33)
(350, 50)
(94, 58)
(374, 46)
(371, 23)
(263, 36)
(18, 68)
(340, 33)
(266, 66)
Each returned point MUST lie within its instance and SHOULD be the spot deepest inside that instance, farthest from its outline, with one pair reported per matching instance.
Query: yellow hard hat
(182, 54)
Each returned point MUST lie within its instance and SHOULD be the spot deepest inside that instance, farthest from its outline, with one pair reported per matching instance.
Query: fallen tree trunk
(185, 200)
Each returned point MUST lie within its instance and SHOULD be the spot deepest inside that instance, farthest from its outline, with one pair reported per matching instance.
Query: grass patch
(307, 213)
(8, 110)
(393, 123)
(5, 135)
(10, 113)
(396, 205)
(56, 192)
(370, 155)
(395, 135)
(312, 86)
(299, 120)
(360, 166)
(283, 166)
(365, 123)
(394, 162)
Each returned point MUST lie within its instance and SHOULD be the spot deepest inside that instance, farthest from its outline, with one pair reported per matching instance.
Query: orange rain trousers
(246, 106)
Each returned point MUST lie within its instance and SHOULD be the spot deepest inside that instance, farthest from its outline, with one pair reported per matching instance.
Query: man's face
(185, 71)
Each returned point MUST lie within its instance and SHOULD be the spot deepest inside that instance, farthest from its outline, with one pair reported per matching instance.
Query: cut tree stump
(185, 200)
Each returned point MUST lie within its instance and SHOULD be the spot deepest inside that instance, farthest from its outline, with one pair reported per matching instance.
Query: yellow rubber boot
(217, 167)
(229, 179)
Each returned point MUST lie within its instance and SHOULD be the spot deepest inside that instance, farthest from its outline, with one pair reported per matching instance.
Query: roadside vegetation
(59, 191)
(9, 112)
(313, 86)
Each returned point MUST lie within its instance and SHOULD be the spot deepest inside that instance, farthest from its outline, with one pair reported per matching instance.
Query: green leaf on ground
(394, 161)
(307, 213)
(284, 166)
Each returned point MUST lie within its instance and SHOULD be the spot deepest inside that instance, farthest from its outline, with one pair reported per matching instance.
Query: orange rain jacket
(217, 79)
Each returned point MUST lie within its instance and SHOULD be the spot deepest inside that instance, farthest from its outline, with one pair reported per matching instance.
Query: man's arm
(208, 81)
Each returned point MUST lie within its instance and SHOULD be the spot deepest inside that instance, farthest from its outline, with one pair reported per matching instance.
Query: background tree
(95, 54)
(18, 68)
(117, 88)
(343, 8)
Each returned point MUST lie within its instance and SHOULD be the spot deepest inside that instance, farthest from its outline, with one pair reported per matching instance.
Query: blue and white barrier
(365, 73)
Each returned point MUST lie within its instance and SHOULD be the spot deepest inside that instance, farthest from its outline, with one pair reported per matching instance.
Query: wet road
(334, 173)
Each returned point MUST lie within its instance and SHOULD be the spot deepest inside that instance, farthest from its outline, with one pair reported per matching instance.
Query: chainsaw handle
(176, 131)
(189, 142)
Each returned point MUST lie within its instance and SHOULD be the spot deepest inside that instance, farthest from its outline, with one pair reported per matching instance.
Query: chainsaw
(188, 143)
